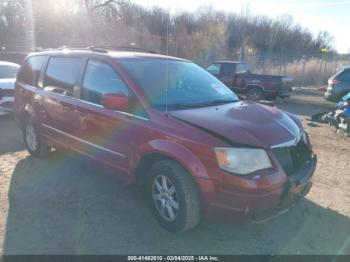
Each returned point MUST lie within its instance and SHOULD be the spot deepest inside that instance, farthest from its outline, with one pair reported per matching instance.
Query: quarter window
(100, 79)
(62, 74)
(344, 76)
(30, 71)
(214, 69)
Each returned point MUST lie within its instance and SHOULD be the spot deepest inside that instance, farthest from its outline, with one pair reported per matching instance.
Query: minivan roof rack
(105, 49)
(91, 48)
(123, 48)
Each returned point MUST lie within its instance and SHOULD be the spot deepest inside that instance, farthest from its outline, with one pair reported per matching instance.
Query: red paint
(272, 86)
(187, 136)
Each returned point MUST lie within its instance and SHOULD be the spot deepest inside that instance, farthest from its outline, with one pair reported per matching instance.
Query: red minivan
(169, 125)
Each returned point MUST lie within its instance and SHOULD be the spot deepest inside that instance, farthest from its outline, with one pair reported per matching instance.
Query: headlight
(242, 161)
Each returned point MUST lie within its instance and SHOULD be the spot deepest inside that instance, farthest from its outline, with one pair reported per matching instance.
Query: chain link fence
(306, 70)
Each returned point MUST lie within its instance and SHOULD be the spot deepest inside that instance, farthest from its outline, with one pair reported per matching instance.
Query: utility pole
(245, 14)
(167, 29)
(323, 65)
(303, 72)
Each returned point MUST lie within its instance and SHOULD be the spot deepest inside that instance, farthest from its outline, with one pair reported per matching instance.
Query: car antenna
(166, 87)
(167, 64)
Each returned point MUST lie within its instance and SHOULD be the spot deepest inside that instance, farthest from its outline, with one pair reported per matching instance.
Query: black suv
(338, 85)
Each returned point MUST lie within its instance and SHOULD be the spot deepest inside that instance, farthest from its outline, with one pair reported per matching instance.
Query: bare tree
(202, 35)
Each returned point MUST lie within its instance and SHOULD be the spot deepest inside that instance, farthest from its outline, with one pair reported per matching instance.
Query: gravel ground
(67, 205)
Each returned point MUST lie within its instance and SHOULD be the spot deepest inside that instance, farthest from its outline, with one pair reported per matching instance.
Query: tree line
(202, 36)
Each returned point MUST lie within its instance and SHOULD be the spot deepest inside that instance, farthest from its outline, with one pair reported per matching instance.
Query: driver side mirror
(115, 102)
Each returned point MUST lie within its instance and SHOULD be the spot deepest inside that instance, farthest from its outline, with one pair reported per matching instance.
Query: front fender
(175, 151)
(24, 111)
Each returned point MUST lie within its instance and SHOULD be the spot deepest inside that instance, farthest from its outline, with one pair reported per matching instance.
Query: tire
(181, 192)
(255, 94)
(32, 140)
(272, 97)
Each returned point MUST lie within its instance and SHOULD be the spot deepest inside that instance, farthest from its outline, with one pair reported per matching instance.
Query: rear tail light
(333, 81)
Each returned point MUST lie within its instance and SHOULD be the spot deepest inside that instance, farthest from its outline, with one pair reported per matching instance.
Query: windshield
(178, 84)
(8, 71)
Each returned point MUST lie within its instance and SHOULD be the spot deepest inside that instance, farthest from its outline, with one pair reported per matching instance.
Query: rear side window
(226, 69)
(344, 75)
(214, 69)
(62, 74)
(99, 79)
(30, 70)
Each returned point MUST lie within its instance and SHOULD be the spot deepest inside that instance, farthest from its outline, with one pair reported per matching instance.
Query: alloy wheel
(165, 198)
(254, 95)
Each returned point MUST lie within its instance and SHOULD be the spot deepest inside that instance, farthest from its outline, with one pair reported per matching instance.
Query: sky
(316, 15)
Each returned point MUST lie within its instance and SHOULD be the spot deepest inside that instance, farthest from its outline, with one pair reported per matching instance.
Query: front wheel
(173, 196)
(255, 94)
(35, 146)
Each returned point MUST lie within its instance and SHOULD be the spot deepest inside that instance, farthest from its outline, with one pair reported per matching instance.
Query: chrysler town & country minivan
(169, 125)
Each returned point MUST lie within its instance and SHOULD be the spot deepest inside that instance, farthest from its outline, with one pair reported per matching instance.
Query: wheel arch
(158, 150)
(25, 114)
(252, 86)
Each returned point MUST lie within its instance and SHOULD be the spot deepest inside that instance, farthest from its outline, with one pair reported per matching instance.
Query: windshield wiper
(217, 102)
(181, 105)
(201, 104)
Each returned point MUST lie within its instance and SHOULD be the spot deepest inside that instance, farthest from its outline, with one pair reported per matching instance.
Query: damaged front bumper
(262, 205)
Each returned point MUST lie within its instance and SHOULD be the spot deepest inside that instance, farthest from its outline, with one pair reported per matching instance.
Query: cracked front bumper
(258, 204)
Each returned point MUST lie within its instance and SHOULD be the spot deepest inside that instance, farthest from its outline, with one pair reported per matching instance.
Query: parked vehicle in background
(238, 77)
(339, 117)
(338, 85)
(171, 127)
(8, 73)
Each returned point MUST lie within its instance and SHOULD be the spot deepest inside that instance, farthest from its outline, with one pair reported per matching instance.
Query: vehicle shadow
(66, 205)
(13, 134)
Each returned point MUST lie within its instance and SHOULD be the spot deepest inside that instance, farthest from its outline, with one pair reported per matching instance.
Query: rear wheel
(271, 97)
(173, 196)
(33, 141)
(255, 94)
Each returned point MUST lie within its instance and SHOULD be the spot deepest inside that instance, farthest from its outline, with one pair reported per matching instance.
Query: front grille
(292, 158)
(6, 92)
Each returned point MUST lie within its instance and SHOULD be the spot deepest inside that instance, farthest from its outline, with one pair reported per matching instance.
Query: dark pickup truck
(237, 76)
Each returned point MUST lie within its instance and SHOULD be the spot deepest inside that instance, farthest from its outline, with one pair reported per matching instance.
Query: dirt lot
(67, 205)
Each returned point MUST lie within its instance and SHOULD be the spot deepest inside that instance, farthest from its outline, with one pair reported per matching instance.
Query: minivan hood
(243, 123)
